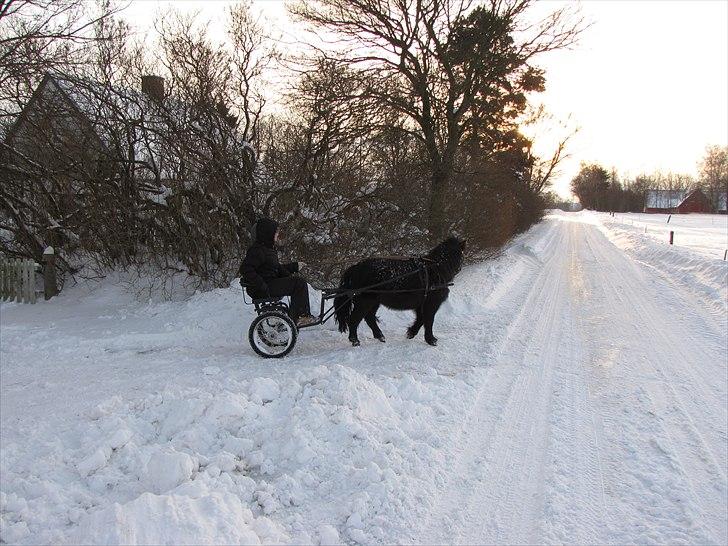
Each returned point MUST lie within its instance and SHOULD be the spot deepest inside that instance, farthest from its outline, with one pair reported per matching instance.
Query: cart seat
(269, 300)
(261, 301)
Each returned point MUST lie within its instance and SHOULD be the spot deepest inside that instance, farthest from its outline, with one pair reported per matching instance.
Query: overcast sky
(647, 85)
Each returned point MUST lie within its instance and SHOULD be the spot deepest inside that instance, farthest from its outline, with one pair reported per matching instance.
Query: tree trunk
(436, 221)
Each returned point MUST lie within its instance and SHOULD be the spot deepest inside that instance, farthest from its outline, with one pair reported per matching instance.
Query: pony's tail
(342, 304)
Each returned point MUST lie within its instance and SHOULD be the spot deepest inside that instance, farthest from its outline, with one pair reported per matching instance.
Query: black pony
(410, 289)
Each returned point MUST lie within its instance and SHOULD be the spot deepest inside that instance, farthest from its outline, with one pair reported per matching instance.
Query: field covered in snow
(704, 234)
(578, 394)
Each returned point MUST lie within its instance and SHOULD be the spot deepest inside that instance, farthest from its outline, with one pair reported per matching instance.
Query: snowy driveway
(578, 394)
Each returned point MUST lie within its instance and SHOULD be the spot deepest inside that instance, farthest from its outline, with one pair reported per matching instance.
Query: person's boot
(305, 320)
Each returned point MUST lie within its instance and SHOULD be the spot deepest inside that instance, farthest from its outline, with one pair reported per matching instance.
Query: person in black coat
(264, 276)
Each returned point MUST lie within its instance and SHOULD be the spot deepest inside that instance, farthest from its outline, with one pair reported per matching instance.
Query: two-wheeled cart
(273, 334)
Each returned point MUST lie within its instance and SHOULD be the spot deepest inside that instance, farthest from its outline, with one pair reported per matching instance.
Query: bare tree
(114, 176)
(321, 170)
(252, 56)
(37, 36)
(713, 169)
(446, 67)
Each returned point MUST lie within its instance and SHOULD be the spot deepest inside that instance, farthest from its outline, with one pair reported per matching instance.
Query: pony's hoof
(410, 334)
(380, 338)
(355, 342)
(432, 341)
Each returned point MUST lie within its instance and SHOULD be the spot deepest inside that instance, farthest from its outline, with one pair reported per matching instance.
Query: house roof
(664, 199)
(128, 122)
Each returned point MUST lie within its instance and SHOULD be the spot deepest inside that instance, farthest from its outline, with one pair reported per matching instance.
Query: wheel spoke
(272, 335)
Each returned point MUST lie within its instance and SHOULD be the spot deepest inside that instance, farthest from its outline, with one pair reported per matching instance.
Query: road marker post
(50, 286)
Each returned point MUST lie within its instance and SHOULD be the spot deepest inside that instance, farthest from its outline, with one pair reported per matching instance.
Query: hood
(264, 230)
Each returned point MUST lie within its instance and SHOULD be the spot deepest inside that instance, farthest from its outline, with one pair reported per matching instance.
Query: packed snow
(578, 394)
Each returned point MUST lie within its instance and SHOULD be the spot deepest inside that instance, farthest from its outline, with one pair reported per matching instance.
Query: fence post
(672, 235)
(668, 218)
(30, 275)
(6, 280)
(2, 279)
(49, 273)
(33, 270)
(18, 280)
(24, 280)
(9, 282)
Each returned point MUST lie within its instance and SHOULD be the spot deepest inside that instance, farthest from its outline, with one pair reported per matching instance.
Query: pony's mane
(448, 247)
(448, 255)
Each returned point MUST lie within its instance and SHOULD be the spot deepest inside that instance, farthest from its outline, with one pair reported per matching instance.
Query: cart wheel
(272, 334)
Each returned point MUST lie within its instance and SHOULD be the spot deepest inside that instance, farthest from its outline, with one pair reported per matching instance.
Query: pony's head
(448, 256)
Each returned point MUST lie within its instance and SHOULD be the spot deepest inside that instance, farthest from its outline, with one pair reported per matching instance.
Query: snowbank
(251, 463)
(696, 264)
(127, 422)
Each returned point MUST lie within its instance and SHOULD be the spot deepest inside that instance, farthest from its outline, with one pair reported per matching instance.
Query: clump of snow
(263, 390)
(96, 460)
(328, 536)
(236, 460)
(168, 469)
(213, 518)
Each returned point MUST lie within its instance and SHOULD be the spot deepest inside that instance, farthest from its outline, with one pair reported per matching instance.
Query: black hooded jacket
(261, 261)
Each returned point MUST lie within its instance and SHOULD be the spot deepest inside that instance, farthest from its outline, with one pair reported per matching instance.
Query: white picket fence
(17, 280)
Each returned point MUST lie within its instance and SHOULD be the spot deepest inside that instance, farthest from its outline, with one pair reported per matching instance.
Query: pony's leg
(417, 324)
(371, 318)
(432, 304)
(356, 316)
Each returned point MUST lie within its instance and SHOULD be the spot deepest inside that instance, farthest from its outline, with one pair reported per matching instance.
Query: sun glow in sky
(647, 84)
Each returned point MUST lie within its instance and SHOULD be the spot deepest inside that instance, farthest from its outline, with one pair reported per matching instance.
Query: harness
(423, 271)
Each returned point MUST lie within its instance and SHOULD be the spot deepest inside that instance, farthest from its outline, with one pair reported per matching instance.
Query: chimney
(153, 87)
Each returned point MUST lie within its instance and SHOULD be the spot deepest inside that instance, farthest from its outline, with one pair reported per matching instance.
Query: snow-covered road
(603, 419)
(579, 394)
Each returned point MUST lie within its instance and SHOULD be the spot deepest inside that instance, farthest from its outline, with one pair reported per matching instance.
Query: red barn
(676, 201)
(695, 201)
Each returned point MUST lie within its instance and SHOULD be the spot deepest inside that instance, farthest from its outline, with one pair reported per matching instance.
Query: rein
(422, 270)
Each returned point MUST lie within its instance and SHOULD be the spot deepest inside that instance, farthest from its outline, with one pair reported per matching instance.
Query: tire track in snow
(694, 465)
(581, 432)
(517, 463)
(685, 370)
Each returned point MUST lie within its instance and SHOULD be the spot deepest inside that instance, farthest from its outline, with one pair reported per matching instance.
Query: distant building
(80, 147)
(574, 206)
(695, 201)
(722, 207)
(665, 201)
(676, 201)
(96, 127)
